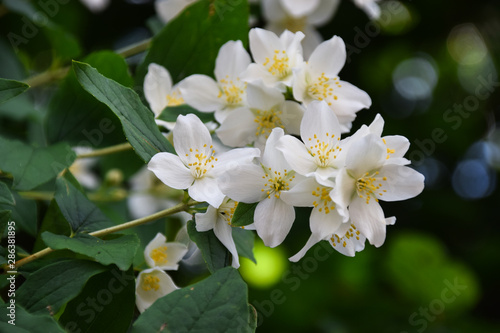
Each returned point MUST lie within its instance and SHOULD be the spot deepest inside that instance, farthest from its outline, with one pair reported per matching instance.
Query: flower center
(323, 151)
(389, 151)
(226, 211)
(279, 65)
(200, 163)
(233, 92)
(267, 120)
(174, 99)
(350, 234)
(150, 282)
(325, 203)
(277, 182)
(159, 255)
(322, 89)
(369, 185)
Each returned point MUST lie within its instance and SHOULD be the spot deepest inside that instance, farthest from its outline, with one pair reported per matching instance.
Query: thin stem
(108, 150)
(57, 74)
(169, 211)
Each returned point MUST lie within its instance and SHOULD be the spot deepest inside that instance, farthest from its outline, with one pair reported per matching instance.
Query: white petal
(369, 219)
(223, 231)
(299, 8)
(301, 194)
(263, 43)
(257, 72)
(313, 239)
(273, 220)
(272, 157)
(329, 58)
(292, 116)
(324, 224)
(145, 298)
(157, 85)
(401, 183)
(231, 61)
(262, 97)
(320, 125)
(377, 125)
(206, 221)
(234, 158)
(191, 136)
(141, 205)
(311, 41)
(400, 145)
(243, 183)
(343, 192)
(273, 11)
(350, 99)
(206, 189)
(171, 171)
(365, 155)
(176, 252)
(238, 128)
(324, 12)
(296, 155)
(201, 92)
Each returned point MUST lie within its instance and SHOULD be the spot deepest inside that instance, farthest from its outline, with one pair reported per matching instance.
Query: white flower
(368, 178)
(274, 57)
(160, 92)
(319, 153)
(169, 9)
(220, 221)
(82, 169)
(299, 15)
(159, 253)
(266, 110)
(318, 80)
(265, 183)
(152, 284)
(370, 7)
(228, 92)
(196, 167)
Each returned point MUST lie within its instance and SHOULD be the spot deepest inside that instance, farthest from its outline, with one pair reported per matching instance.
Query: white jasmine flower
(267, 109)
(219, 219)
(370, 7)
(274, 57)
(228, 92)
(299, 15)
(169, 9)
(196, 167)
(366, 179)
(160, 92)
(319, 153)
(152, 284)
(265, 183)
(318, 80)
(159, 253)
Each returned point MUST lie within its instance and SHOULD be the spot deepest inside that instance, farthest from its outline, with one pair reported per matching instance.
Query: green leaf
(190, 43)
(10, 89)
(33, 166)
(119, 251)
(49, 288)
(137, 120)
(216, 304)
(80, 212)
(53, 221)
(114, 295)
(77, 117)
(24, 213)
(5, 195)
(170, 113)
(244, 240)
(65, 45)
(213, 251)
(26, 322)
(4, 219)
(243, 215)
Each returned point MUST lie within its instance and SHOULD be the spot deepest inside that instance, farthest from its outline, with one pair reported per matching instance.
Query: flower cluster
(262, 108)
(154, 282)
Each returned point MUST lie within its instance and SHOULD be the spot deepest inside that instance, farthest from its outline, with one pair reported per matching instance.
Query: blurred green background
(431, 69)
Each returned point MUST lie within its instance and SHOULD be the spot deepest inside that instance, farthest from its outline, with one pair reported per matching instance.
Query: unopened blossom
(152, 284)
(368, 178)
(275, 57)
(197, 166)
(266, 110)
(265, 183)
(228, 91)
(159, 253)
(170, 9)
(160, 92)
(318, 80)
(319, 154)
(299, 15)
(219, 220)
